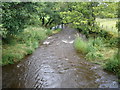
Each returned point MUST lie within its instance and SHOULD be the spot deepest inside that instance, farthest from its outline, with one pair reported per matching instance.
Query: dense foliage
(106, 10)
(81, 15)
(16, 16)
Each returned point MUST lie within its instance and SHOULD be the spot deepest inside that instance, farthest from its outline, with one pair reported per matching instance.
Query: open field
(108, 25)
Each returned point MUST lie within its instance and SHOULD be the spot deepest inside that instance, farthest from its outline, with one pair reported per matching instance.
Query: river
(57, 65)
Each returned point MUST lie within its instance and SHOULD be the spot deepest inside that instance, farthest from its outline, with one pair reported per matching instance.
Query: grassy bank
(23, 44)
(103, 49)
(97, 51)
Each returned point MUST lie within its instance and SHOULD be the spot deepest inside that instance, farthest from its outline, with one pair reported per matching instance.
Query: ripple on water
(56, 66)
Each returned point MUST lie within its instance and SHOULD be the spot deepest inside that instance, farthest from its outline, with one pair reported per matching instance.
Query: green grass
(24, 44)
(80, 45)
(93, 47)
(108, 25)
(95, 50)
(113, 64)
(102, 50)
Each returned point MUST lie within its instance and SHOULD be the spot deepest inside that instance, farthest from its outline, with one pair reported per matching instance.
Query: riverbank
(102, 50)
(56, 64)
(23, 44)
(95, 51)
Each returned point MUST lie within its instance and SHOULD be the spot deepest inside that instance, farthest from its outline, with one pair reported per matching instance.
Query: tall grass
(80, 45)
(96, 51)
(90, 48)
(113, 64)
(25, 43)
(102, 50)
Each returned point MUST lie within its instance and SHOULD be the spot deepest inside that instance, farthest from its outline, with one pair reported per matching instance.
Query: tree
(81, 15)
(106, 10)
(49, 14)
(15, 17)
